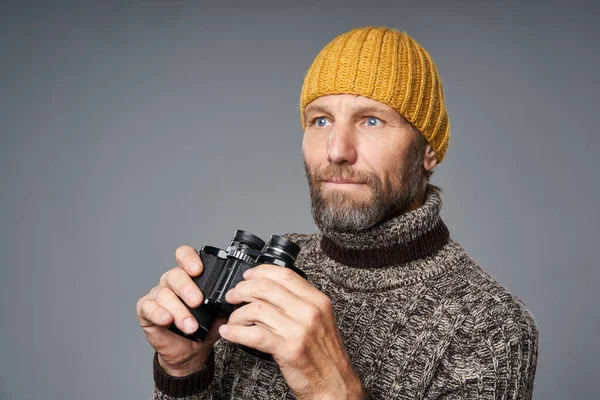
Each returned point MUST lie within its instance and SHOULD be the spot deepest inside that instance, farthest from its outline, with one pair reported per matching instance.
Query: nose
(342, 145)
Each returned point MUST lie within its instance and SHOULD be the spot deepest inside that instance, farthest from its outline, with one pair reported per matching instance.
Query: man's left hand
(293, 321)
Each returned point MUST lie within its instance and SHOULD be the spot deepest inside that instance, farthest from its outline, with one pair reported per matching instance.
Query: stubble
(341, 211)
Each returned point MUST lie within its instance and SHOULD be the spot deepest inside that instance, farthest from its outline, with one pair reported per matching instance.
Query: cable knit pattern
(432, 327)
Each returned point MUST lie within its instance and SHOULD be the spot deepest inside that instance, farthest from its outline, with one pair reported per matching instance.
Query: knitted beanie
(388, 66)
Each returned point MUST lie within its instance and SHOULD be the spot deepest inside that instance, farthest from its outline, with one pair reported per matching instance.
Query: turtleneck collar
(408, 237)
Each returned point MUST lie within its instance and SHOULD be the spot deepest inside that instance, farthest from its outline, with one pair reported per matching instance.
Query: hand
(177, 355)
(293, 321)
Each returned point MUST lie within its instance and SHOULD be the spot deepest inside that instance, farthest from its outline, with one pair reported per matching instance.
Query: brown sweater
(419, 319)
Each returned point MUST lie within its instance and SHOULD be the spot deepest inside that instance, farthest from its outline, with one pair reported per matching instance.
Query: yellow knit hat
(388, 66)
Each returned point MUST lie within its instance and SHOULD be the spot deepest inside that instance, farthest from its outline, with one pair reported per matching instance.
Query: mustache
(346, 173)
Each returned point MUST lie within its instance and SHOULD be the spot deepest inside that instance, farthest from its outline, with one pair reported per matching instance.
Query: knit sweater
(419, 320)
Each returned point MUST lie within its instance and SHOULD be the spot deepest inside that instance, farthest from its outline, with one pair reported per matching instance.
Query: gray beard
(339, 213)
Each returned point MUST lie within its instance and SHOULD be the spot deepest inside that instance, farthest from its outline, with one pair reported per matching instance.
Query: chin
(343, 199)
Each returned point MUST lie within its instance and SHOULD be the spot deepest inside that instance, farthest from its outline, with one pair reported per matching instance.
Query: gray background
(128, 129)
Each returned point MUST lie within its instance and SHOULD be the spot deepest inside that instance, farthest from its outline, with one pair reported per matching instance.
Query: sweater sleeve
(496, 362)
(196, 386)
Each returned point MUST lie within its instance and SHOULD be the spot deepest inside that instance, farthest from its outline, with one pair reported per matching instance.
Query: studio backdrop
(131, 128)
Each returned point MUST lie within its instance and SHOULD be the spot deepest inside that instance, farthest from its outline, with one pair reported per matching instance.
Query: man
(393, 307)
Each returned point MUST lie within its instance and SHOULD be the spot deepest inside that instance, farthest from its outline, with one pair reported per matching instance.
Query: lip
(342, 182)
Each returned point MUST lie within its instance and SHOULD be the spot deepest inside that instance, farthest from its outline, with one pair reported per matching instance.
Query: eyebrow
(370, 109)
(359, 110)
(316, 109)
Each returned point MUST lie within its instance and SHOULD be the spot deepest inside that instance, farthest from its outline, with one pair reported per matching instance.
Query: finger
(150, 313)
(183, 319)
(182, 284)
(262, 313)
(187, 257)
(254, 336)
(296, 284)
(267, 290)
(284, 276)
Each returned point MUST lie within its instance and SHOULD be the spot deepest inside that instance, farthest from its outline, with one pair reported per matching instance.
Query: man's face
(361, 162)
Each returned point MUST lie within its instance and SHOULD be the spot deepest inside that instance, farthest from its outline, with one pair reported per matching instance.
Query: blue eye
(321, 121)
(372, 121)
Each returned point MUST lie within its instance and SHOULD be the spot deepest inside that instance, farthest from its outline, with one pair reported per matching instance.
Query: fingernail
(194, 268)
(193, 296)
(247, 274)
(223, 329)
(190, 325)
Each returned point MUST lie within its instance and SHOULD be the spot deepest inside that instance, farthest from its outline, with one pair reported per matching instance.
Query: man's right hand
(177, 355)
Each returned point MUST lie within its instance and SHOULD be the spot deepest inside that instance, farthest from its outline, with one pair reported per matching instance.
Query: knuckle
(287, 273)
(188, 288)
(240, 289)
(144, 308)
(164, 277)
(258, 306)
(172, 276)
(161, 293)
(313, 314)
(265, 285)
(139, 305)
(152, 293)
(233, 317)
(296, 351)
(158, 315)
(325, 303)
(257, 335)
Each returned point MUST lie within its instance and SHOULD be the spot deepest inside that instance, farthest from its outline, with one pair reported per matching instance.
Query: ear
(430, 160)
